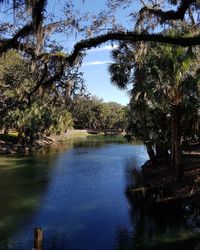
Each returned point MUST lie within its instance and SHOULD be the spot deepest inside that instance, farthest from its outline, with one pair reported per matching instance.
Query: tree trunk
(147, 141)
(176, 151)
(161, 150)
(150, 150)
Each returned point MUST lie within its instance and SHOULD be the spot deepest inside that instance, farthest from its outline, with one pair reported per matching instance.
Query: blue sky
(96, 61)
(97, 78)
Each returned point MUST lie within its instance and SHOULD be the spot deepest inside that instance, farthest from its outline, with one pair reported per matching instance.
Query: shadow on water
(156, 227)
(23, 181)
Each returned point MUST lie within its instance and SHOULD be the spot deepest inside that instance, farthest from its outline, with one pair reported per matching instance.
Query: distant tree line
(93, 113)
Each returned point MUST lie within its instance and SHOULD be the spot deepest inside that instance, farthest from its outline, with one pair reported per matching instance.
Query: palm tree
(170, 66)
(159, 77)
(129, 69)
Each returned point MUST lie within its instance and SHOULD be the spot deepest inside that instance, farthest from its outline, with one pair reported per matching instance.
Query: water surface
(76, 193)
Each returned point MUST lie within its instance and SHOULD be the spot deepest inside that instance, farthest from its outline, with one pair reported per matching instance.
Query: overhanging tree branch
(130, 37)
(171, 14)
(6, 44)
(98, 40)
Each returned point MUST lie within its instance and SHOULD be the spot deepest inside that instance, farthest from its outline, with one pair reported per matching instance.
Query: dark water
(76, 193)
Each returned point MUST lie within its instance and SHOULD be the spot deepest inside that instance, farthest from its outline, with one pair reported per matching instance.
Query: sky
(97, 78)
(96, 61)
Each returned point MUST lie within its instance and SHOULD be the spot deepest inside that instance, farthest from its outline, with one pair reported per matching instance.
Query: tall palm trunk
(176, 151)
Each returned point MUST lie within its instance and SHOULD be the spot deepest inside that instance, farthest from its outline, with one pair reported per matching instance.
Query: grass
(77, 133)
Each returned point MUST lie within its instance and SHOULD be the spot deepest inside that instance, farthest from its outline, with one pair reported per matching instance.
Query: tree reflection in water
(23, 182)
(157, 227)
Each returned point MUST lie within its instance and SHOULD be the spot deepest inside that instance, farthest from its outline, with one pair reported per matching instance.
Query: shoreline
(158, 185)
(8, 147)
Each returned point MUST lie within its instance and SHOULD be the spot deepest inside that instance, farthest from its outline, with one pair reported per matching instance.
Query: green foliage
(15, 79)
(45, 112)
(113, 115)
(161, 75)
(93, 113)
(41, 119)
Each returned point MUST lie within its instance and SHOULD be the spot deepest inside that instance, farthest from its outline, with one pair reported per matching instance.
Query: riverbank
(10, 145)
(159, 185)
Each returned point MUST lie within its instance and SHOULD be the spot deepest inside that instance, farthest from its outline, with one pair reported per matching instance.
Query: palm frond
(120, 75)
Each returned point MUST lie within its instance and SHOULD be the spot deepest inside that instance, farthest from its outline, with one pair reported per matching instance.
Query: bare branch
(191, 16)
(143, 3)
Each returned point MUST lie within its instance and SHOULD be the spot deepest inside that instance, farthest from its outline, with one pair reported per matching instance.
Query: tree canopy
(147, 24)
(33, 28)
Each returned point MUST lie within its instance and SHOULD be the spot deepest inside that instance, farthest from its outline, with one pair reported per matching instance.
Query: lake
(75, 191)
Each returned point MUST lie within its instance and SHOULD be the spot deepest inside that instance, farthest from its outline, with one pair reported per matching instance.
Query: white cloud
(93, 63)
(104, 48)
